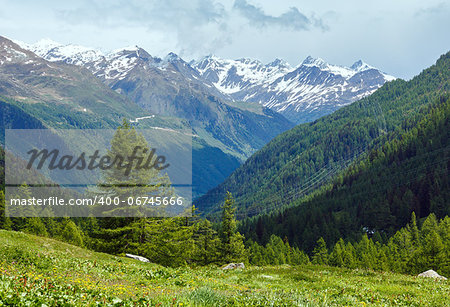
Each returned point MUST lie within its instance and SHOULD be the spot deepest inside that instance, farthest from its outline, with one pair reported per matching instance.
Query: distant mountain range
(303, 93)
(233, 107)
(171, 87)
(100, 91)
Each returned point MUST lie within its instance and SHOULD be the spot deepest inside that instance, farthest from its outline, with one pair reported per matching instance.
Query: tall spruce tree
(233, 248)
(134, 178)
(207, 243)
(320, 252)
(126, 232)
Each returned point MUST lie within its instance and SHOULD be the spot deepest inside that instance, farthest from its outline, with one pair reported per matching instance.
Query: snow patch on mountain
(302, 93)
(110, 66)
(232, 76)
(71, 54)
(311, 87)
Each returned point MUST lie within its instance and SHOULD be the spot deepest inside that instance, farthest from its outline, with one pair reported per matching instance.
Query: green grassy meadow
(37, 271)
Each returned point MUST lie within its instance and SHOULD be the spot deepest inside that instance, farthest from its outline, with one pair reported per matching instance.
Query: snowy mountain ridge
(303, 93)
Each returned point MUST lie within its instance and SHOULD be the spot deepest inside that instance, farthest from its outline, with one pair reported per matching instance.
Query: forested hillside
(309, 155)
(408, 173)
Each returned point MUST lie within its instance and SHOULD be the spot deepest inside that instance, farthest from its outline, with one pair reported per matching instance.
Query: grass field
(36, 271)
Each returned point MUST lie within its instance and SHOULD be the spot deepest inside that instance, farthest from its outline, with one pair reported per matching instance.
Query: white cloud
(400, 37)
(291, 19)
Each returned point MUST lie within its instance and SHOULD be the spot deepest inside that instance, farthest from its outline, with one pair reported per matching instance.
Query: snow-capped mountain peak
(54, 51)
(41, 47)
(302, 93)
(361, 66)
(312, 89)
(172, 57)
(310, 61)
(74, 54)
(279, 63)
(126, 49)
(234, 76)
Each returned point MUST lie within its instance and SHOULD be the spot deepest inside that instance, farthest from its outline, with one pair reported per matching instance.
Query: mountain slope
(409, 173)
(171, 87)
(302, 94)
(303, 158)
(66, 92)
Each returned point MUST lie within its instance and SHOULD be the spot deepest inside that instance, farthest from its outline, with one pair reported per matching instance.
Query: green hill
(36, 270)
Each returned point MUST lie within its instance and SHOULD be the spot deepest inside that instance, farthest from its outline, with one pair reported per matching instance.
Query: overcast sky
(400, 37)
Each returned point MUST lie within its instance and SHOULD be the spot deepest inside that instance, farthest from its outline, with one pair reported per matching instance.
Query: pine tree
(432, 255)
(414, 230)
(34, 225)
(129, 231)
(71, 233)
(207, 243)
(366, 252)
(299, 257)
(349, 256)
(132, 179)
(320, 252)
(429, 225)
(256, 253)
(167, 241)
(5, 222)
(337, 255)
(23, 192)
(232, 248)
(444, 232)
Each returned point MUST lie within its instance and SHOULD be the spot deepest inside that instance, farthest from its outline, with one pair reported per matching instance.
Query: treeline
(193, 241)
(409, 172)
(168, 241)
(411, 250)
(275, 252)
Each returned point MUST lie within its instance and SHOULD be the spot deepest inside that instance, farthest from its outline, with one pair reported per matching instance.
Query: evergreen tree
(131, 179)
(299, 257)
(34, 225)
(71, 233)
(337, 255)
(366, 252)
(256, 253)
(207, 243)
(233, 248)
(320, 253)
(433, 251)
(349, 256)
(5, 222)
(167, 241)
(23, 192)
(414, 230)
(130, 230)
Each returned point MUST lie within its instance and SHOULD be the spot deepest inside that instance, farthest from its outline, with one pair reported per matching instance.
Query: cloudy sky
(400, 37)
